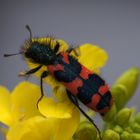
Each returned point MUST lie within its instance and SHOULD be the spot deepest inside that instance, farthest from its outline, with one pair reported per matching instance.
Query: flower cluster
(56, 118)
(123, 123)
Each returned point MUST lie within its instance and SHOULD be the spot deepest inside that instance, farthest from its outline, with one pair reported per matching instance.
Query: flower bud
(111, 135)
(129, 129)
(109, 116)
(129, 80)
(137, 118)
(123, 116)
(135, 136)
(119, 93)
(86, 131)
(126, 136)
(135, 127)
(118, 129)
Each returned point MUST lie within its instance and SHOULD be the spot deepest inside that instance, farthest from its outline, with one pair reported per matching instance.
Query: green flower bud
(119, 93)
(126, 136)
(137, 118)
(123, 116)
(125, 86)
(110, 115)
(129, 129)
(118, 129)
(85, 131)
(97, 138)
(135, 127)
(135, 136)
(111, 135)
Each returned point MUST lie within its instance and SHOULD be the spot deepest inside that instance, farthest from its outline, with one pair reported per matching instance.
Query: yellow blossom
(20, 104)
(19, 112)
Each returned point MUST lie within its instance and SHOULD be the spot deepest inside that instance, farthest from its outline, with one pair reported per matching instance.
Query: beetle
(80, 83)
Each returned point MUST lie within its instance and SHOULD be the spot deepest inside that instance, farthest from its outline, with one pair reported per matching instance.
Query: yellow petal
(51, 109)
(40, 128)
(60, 93)
(24, 101)
(92, 57)
(36, 128)
(65, 128)
(5, 106)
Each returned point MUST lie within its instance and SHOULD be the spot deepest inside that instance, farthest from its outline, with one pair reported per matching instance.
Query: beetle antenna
(7, 55)
(29, 29)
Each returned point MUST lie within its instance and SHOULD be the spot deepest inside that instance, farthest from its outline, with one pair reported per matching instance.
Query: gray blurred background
(112, 24)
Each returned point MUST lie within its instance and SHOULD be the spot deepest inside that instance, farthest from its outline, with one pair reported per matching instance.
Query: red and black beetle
(80, 82)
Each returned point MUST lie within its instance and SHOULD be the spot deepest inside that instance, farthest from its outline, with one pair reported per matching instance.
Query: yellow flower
(20, 104)
(91, 56)
(19, 112)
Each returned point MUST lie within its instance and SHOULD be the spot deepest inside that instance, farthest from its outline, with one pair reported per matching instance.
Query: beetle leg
(72, 98)
(43, 75)
(75, 102)
(30, 71)
(76, 52)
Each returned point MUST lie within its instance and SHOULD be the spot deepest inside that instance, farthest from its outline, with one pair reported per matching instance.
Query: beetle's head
(36, 51)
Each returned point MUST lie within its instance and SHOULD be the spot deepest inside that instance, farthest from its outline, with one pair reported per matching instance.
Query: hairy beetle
(79, 81)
